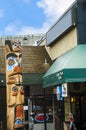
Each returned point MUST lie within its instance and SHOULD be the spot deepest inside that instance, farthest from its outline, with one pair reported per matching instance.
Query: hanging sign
(64, 90)
(59, 92)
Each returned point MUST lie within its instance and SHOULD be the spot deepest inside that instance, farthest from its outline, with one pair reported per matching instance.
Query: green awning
(70, 67)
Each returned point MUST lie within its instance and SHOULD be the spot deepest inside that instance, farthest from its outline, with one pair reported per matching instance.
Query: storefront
(40, 108)
(70, 68)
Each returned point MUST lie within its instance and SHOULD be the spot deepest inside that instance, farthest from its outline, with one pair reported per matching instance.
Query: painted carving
(15, 90)
(19, 120)
(12, 46)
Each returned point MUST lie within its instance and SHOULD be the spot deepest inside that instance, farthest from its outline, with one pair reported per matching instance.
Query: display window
(42, 109)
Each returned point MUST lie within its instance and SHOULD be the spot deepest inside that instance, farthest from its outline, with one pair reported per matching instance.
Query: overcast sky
(23, 17)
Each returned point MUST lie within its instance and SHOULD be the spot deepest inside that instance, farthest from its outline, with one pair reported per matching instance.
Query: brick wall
(33, 58)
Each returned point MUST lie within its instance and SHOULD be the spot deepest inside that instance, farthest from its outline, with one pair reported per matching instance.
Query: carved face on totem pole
(15, 90)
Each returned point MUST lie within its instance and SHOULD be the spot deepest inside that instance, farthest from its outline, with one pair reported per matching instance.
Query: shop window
(42, 109)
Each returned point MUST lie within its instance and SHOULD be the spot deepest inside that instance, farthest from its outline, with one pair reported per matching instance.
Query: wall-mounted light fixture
(46, 65)
(45, 61)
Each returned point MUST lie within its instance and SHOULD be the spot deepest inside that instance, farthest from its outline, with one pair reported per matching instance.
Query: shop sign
(64, 90)
(59, 75)
(41, 117)
(61, 91)
(35, 107)
(25, 107)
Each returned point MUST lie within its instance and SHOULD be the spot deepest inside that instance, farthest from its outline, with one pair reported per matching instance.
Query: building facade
(25, 40)
(65, 43)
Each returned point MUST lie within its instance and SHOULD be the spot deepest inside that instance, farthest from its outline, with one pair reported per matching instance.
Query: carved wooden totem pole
(14, 88)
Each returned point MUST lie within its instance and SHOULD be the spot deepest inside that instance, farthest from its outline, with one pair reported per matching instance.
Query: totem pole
(14, 88)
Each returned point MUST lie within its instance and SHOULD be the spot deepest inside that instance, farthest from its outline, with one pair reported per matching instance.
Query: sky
(24, 17)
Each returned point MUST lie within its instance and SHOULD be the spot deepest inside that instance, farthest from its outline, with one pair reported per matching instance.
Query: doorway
(42, 109)
(78, 108)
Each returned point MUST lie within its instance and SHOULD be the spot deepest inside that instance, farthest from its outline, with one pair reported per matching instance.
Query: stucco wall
(64, 44)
